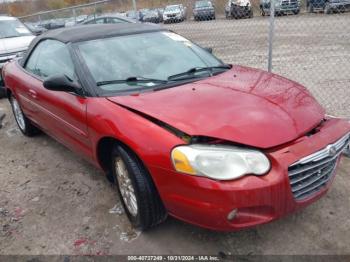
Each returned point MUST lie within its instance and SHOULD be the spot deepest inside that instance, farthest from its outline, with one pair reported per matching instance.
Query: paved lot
(53, 202)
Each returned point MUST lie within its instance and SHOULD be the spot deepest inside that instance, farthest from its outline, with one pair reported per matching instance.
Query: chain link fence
(305, 40)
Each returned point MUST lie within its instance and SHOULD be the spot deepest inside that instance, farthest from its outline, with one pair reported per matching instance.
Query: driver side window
(49, 58)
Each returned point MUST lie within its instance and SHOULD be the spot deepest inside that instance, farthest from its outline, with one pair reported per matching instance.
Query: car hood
(243, 105)
(15, 44)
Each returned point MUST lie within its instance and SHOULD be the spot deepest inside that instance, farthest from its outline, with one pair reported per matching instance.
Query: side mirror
(208, 49)
(62, 83)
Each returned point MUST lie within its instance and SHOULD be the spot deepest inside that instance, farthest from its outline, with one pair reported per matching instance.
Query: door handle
(32, 93)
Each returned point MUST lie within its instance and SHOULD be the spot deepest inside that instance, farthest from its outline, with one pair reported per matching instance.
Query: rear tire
(137, 191)
(24, 124)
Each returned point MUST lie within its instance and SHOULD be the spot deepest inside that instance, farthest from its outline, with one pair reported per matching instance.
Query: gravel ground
(313, 49)
(53, 202)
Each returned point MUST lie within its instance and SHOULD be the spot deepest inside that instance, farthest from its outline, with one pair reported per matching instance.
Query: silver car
(174, 13)
(14, 41)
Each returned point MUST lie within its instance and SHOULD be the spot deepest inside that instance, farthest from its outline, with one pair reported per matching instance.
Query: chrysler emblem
(332, 150)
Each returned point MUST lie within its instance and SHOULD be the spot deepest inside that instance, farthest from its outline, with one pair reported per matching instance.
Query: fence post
(271, 33)
(75, 16)
(134, 5)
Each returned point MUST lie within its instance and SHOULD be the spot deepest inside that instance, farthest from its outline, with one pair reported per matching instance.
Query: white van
(14, 41)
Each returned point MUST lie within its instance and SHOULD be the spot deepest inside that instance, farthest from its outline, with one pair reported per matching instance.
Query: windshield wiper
(191, 72)
(133, 79)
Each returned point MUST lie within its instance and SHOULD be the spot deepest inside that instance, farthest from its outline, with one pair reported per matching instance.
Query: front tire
(137, 191)
(24, 124)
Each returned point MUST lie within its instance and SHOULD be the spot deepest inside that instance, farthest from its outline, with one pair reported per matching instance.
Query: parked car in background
(152, 16)
(174, 13)
(109, 19)
(133, 15)
(328, 6)
(177, 130)
(53, 23)
(161, 12)
(76, 20)
(36, 29)
(70, 22)
(15, 38)
(239, 9)
(281, 7)
(143, 13)
(203, 10)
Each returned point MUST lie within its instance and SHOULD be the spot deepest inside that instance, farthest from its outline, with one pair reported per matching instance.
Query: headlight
(219, 162)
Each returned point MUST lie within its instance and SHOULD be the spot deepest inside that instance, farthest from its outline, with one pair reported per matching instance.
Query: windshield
(173, 8)
(200, 4)
(156, 55)
(12, 28)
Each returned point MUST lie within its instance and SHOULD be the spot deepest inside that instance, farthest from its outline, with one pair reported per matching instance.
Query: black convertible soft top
(91, 32)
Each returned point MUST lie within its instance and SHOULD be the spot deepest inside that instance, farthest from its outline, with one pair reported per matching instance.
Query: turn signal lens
(181, 162)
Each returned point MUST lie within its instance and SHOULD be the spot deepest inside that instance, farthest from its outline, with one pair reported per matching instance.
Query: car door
(61, 114)
(26, 83)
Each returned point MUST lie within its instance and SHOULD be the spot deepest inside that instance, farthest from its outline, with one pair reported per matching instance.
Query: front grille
(289, 3)
(310, 174)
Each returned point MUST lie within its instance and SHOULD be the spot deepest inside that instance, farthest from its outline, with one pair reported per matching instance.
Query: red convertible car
(221, 146)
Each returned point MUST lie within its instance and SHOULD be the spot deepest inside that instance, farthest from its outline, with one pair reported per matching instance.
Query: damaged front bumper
(252, 200)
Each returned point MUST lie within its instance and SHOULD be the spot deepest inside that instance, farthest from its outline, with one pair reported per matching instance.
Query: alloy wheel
(126, 187)
(18, 114)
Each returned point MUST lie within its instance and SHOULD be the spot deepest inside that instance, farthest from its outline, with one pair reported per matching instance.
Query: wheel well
(104, 149)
